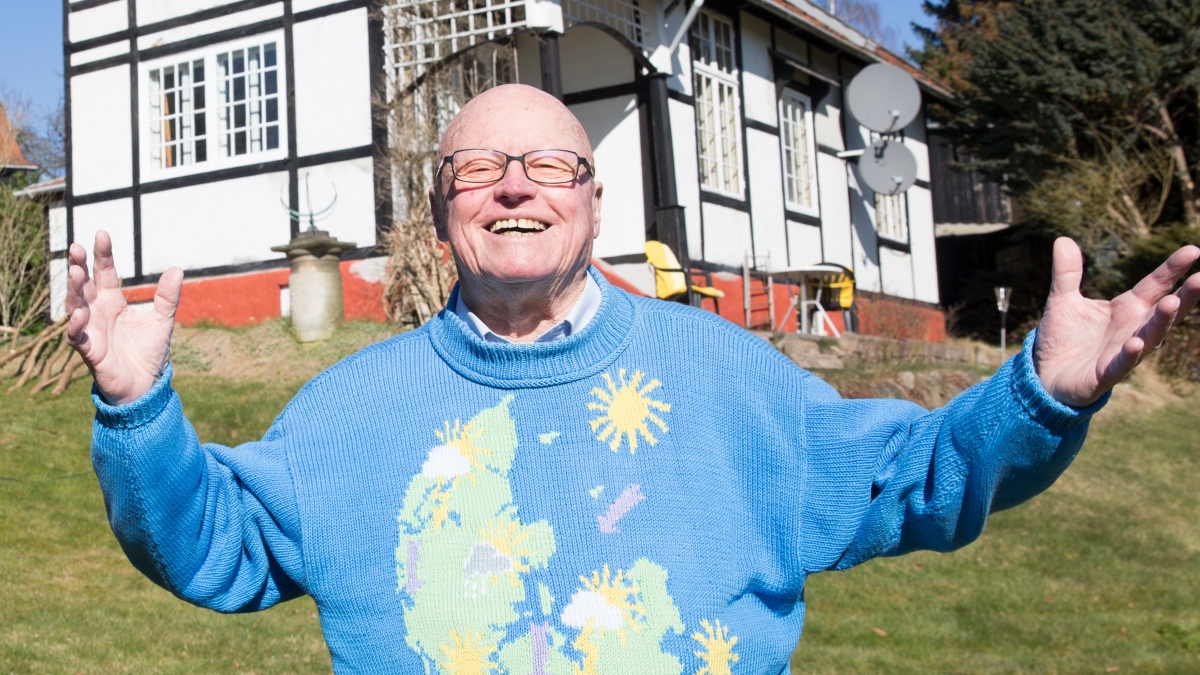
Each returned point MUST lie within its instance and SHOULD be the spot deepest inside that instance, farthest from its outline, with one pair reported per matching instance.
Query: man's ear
(597, 196)
(438, 210)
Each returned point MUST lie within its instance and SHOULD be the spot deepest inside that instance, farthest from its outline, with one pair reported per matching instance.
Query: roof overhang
(845, 37)
(48, 187)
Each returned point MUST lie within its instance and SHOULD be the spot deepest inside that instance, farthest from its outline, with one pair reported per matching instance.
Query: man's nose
(515, 185)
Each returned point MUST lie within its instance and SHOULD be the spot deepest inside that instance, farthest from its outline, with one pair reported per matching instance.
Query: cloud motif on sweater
(591, 605)
(445, 461)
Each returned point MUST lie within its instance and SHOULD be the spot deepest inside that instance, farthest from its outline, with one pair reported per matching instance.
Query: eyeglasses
(547, 167)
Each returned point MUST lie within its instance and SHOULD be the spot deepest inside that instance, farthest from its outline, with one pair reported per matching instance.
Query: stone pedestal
(315, 285)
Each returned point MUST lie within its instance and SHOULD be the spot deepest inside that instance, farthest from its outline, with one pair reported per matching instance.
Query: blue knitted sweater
(645, 497)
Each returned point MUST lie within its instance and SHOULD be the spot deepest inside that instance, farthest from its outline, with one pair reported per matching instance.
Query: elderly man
(553, 476)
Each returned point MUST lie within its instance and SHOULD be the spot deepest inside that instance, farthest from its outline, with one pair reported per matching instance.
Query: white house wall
(305, 5)
(863, 236)
(58, 289)
(352, 182)
(100, 131)
(766, 197)
(921, 241)
(101, 52)
(529, 60)
(57, 226)
(214, 224)
(758, 81)
(591, 59)
(687, 172)
(895, 272)
(208, 27)
(827, 121)
(727, 237)
(114, 217)
(333, 83)
(95, 22)
(614, 130)
(832, 189)
(804, 244)
(153, 11)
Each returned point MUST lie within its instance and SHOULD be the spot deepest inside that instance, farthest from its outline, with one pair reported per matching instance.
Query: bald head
(519, 107)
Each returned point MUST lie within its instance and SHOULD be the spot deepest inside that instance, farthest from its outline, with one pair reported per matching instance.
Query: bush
(24, 284)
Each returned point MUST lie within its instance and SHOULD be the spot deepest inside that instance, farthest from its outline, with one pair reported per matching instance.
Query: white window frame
(174, 133)
(891, 217)
(808, 148)
(714, 70)
(151, 169)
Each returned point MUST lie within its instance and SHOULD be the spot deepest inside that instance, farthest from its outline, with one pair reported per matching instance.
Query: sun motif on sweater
(627, 411)
(718, 646)
(465, 655)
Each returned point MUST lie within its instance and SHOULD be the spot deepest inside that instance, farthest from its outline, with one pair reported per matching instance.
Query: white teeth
(519, 227)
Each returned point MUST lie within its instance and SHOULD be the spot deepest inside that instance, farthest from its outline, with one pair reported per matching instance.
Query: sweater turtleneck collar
(538, 364)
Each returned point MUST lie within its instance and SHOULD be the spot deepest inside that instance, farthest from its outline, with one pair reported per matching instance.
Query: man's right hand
(125, 350)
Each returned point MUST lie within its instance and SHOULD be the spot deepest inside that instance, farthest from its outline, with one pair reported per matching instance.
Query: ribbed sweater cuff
(135, 413)
(1038, 402)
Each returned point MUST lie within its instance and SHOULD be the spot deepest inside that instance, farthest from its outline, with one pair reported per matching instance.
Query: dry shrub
(417, 107)
(891, 320)
(24, 273)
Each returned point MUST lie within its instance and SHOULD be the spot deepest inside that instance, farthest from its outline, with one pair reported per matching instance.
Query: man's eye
(477, 168)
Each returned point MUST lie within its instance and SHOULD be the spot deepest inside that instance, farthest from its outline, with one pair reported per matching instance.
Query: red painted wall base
(247, 299)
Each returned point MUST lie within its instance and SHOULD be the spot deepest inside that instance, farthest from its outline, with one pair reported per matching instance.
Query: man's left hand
(1085, 346)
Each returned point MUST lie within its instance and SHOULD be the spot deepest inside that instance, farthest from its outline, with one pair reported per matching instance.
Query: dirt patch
(930, 388)
(268, 351)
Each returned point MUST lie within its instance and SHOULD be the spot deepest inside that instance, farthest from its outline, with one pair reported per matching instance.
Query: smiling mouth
(520, 227)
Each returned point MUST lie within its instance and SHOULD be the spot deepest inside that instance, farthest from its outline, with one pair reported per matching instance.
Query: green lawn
(1101, 572)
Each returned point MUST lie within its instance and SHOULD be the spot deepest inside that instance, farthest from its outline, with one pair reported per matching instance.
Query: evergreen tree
(1067, 90)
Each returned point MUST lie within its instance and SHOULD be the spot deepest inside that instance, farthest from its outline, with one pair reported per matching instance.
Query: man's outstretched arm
(895, 478)
(216, 526)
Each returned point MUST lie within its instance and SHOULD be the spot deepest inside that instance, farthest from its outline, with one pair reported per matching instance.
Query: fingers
(103, 268)
(1067, 272)
(166, 296)
(1162, 280)
(1154, 330)
(76, 327)
(77, 278)
(1189, 295)
(1123, 363)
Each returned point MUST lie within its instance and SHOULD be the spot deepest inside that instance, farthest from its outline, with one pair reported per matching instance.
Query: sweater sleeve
(888, 477)
(217, 526)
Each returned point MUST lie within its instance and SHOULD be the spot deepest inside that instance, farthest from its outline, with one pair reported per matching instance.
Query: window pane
(251, 101)
(176, 114)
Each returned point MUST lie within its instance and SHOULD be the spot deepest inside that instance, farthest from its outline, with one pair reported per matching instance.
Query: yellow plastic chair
(670, 279)
(838, 289)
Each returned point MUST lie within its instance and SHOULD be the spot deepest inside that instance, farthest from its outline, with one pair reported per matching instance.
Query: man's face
(489, 225)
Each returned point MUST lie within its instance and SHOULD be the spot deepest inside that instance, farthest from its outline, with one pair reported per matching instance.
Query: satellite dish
(887, 167)
(883, 98)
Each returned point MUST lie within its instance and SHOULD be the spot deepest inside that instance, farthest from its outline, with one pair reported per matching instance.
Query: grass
(1101, 572)
(71, 603)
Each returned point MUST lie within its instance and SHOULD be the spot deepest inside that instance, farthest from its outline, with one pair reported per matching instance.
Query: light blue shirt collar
(581, 313)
